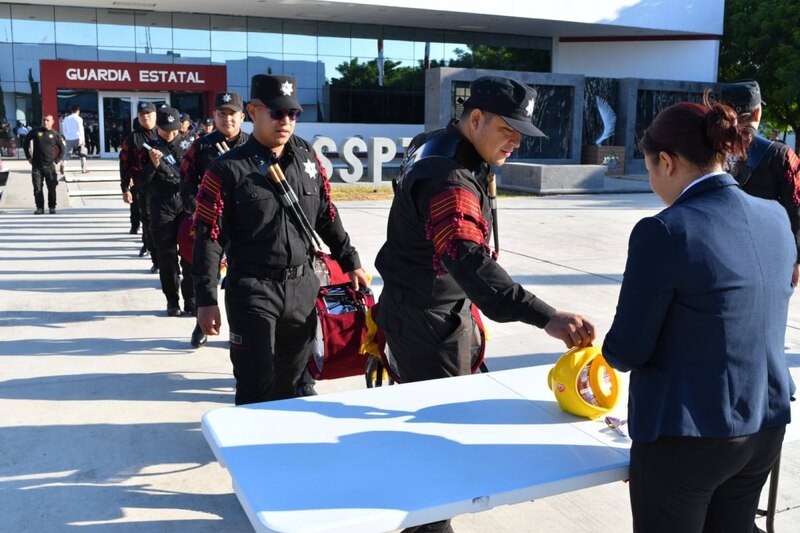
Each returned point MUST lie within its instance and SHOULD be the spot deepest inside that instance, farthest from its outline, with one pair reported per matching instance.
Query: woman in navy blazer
(700, 324)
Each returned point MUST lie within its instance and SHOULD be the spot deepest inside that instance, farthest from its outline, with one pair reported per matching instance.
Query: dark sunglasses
(278, 114)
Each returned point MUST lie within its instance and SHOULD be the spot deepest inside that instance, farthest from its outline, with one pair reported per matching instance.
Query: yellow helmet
(584, 383)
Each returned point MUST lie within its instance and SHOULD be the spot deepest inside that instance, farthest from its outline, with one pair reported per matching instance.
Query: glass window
(191, 57)
(330, 67)
(308, 99)
(33, 24)
(76, 52)
(228, 33)
(27, 57)
(458, 49)
(303, 67)
(236, 63)
(154, 55)
(334, 39)
(153, 31)
(299, 37)
(6, 67)
(263, 63)
(28, 107)
(398, 43)
(190, 32)
(116, 28)
(364, 43)
(5, 23)
(434, 41)
(264, 35)
(76, 25)
(127, 55)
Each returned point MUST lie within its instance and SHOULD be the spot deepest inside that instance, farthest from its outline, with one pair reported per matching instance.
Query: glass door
(117, 112)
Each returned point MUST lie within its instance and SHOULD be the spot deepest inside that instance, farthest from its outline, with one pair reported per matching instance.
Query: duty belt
(274, 274)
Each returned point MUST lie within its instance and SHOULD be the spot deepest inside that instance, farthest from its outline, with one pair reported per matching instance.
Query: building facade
(356, 62)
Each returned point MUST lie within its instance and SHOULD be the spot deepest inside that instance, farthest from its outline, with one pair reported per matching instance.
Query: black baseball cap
(743, 96)
(168, 119)
(208, 122)
(185, 117)
(146, 107)
(275, 92)
(232, 101)
(508, 98)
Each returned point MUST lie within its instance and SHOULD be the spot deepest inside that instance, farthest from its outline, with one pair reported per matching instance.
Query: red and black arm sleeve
(790, 192)
(207, 252)
(329, 225)
(459, 235)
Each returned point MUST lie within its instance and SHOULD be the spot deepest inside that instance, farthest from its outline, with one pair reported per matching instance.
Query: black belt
(274, 274)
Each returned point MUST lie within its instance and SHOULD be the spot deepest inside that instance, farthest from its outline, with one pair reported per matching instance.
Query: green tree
(501, 58)
(761, 41)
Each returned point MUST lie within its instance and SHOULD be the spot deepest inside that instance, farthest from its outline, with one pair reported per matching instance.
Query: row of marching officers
(161, 170)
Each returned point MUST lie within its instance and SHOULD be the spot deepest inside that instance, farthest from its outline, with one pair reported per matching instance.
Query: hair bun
(722, 129)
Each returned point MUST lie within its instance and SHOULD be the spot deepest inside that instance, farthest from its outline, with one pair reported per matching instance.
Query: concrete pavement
(101, 394)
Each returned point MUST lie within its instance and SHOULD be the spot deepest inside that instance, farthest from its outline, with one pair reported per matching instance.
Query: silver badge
(529, 108)
(286, 88)
(226, 98)
(310, 169)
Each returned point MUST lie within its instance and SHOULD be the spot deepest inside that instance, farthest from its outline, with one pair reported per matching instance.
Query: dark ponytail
(703, 134)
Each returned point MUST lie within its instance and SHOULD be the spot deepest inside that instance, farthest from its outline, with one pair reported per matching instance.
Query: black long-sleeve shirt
(777, 177)
(166, 178)
(48, 147)
(436, 250)
(132, 158)
(196, 160)
(240, 207)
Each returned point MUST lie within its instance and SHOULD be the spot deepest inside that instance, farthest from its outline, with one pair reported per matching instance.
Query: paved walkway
(101, 394)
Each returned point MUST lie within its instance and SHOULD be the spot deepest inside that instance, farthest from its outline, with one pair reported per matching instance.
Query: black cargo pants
(272, 320)
(166, 210)
(41, 175)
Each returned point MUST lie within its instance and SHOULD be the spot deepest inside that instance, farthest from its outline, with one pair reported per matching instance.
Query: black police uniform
(196, 160)
(772, 169)
(166, 209)
(132, 159)
(436, 261)
(194, 165)
(49, 148)
(776, 176)
(271, 288)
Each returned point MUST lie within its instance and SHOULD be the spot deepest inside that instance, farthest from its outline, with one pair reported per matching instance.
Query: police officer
(772, 169)
(271, 287)
(436, 260)
(228, 118)
(162, 175)
(48, 149)
(206, 127)
(186, 132)
(132, 159)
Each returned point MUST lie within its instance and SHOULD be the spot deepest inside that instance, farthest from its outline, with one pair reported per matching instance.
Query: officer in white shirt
(73, 134)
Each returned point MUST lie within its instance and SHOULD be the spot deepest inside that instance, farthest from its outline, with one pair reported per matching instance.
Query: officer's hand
(30, 161)
(127, 197)
(360, 278)
(795, 274)
(574, 330)
(155, 157)
(209, 320)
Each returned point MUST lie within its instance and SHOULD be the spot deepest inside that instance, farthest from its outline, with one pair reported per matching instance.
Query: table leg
(772, 502)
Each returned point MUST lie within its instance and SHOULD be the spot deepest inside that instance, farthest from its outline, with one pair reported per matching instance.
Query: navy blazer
(702, 316)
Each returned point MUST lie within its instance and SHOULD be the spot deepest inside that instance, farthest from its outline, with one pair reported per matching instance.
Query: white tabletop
(393, 457)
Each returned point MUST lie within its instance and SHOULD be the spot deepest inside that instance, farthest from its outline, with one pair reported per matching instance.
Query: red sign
(129, 77)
